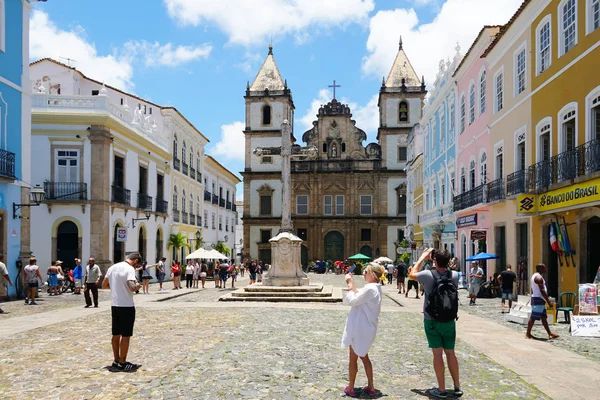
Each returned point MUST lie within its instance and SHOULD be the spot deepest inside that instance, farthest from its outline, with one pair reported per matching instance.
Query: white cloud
(250, 62)
(232, 143)
(155, 54)
(426, 44)
(47, 40)
(310, 115)
(252, 21)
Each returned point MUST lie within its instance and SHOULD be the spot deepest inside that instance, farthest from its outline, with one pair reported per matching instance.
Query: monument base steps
(298, 294)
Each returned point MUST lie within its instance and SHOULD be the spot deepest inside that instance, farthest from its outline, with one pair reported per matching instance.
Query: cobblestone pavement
(491, 310)
(236, 352)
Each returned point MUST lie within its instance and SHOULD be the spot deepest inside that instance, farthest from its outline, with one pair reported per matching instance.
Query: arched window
(175, 198)
(184, 153)
(343, 147)
(482, 92)
(191, 204)
(175, 146)
(198, 162)
(463, 181)
(472, 174)
(543, 34)
(472, 104)
(183, 200)
(463, 113)
(403, 111)
(483, 169)
(191, 157)
(266, 115)
(567, 24)
(198, 202)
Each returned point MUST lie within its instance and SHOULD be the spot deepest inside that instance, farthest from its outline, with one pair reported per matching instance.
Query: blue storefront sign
(467, 220)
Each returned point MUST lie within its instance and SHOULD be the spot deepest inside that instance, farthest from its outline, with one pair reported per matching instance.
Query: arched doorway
(159, 245)
(334, 246)
(118, 247)
(593, 257)
(367, 251)
(142, 242)
(304, 256)
(67, 244)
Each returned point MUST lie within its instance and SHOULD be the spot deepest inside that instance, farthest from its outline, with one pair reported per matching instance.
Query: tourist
(4, 278)
(441, 334)
(259, 271)
(160, 272)
(146, 277)
(390, 272)
(252, 272)
(31, 279)
(223, 274)
(361, 325)
(176, 275)
(539, 298)
(120, 279)
(91, 279)
(203, 272)
(400, 277)
(216, 274)
(242, 269)
(196, 276)
(60, 276)
(507, 279)
(412, 284)
(52, 279)
(189, 274)
(77, 276)
(476, 278)
(233, 271)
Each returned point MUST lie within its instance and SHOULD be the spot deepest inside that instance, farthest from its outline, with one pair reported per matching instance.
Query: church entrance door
(334, 246)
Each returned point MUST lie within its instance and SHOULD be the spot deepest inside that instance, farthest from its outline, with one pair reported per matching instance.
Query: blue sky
(197, 55)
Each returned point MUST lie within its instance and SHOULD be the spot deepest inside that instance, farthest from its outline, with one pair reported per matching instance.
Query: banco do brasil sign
(581, 193)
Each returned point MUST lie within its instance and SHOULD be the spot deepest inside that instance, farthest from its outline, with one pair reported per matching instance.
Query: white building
(239, 232)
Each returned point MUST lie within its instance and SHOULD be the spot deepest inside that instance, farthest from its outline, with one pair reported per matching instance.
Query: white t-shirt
(117, 276)
(390, 268)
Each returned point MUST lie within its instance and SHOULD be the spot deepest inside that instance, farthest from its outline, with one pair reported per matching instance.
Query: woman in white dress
(361, 324)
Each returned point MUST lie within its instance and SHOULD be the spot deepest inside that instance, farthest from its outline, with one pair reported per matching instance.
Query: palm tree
(222, 248)
(178, 241)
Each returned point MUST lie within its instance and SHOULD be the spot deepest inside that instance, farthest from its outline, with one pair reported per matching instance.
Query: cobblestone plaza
(193, 347)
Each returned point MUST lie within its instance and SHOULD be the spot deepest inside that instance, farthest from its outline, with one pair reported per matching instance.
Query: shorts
(32, 285)
(3, 289)
(538, 309)
(176, 274)
(440, 334)
(507, 295)
(52, 280)
(474, 289)
(223, 277)
(202, 274)
(77, 282)
(123, 319)
(400, 278)
(252, 277)
(413, 284)
(160, 276)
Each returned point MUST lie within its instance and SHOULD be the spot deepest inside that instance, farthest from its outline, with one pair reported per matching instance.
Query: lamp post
(36, 197)
(147, 213)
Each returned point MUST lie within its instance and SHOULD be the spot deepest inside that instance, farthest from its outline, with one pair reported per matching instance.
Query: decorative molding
(265, 189)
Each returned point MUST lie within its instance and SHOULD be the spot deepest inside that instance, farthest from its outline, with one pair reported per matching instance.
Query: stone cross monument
(286, 269)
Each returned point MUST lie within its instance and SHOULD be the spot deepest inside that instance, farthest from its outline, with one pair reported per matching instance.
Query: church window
(462, 114)
(339, 205)
(266, 160)
(265, 235)
(265, 205)
(344, 144)
(402, 153)
(266, 115)
(328, 205)
(403, 111)
(324, 147)
(302, 204)
(365, 235)
(472, 104)
(482, 92)
(366, 205)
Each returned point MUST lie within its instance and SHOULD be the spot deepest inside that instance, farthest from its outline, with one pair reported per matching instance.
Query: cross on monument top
(334, 86)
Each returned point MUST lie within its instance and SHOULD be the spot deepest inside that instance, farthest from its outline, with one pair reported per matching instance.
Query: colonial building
(15, 128)
(350, 197)
(415, 201)
(239, 232)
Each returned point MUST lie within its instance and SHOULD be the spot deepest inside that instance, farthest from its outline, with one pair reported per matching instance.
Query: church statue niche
(403, 111)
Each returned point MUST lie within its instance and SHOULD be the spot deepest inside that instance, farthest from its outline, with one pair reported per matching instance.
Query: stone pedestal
(285, 269)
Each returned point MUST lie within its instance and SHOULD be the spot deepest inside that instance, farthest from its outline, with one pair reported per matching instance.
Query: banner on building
(574, 195)
(478, 235)
(121, 234)
(467, 220)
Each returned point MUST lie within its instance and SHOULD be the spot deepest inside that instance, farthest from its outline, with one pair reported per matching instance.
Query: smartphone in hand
(351, 270)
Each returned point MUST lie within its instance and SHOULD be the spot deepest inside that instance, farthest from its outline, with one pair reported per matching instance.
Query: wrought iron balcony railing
(185, 168)
(470, 198)
(176, 163)
(65, 191)
(176, 215)
(233, 207)
(228, 205)
(207, 195)
(184, 217)
(192, 173)
(192, 219)
(121, 195)
(495, 190)
(199, 176)
(516, 182)
(7, 164)
(215, 199)
(221, 202)
(162, 206)
(144, 201)
(198, 220)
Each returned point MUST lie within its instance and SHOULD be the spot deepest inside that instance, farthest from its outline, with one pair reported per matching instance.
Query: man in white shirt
(120, 279)
(390, 272)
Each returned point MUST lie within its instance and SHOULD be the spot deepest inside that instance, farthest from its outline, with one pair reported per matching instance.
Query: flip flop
(554, 336)
(349, 392)
(369, 391)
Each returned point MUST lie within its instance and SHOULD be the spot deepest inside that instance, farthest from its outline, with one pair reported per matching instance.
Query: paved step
(324, 293)
(327, 295)
(258, 287)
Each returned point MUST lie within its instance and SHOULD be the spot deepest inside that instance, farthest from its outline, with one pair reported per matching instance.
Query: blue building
(438, 127)
(15, 128)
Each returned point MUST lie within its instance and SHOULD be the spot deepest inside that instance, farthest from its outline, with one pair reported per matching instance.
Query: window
(451, 127)
(462, 114)
(2, 26)
(183, 153)
(499, 88)
(443, 191)
(472, 104)
(226, 224)
(499, 166)
(265, 235)
(206, 219)
(266, 160)
(328, 205)
(544, 142)
(266, 115)
(265, 205)
(472, 174)
(521, 79)
(220, 222)
(214, 221)
(434, 195)
(483, 169)
(403, 111)
(67, 166)
(567, 22)
(366, 205)
(302, 204)
(175, 147)
(192, 159)
(442, 127)
(302, 233)
(402, 153)
(544, 43)
(402, 203)
(595, 118)
(365, 235)
(324, 147)
(183, 207)
(191, 204)
(339, 205)
(593, 15)
(463, 181)
(482, 92)
(568, 131)
(175, 199)
(95, 92)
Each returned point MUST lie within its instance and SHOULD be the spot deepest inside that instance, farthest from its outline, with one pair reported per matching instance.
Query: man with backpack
(440, 310)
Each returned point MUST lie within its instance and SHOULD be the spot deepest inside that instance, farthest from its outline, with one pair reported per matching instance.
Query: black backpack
(443, 300)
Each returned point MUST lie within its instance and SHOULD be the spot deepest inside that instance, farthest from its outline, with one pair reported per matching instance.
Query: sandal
(554, 336)
(349, 392)
(370, 392)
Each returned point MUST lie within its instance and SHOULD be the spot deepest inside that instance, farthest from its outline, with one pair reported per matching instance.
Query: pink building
(474, 190)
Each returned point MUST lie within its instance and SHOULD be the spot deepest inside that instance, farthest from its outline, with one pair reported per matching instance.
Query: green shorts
(440, 334)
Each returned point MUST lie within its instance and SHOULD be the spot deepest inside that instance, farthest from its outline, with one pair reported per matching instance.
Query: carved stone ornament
(402, 140)
(499, 150)
(265, 189)
(334, 132)
(521, 138)
(373, 150)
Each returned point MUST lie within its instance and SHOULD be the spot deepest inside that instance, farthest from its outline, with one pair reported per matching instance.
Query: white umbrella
(382, 260)
(213, 254)
(200, 253)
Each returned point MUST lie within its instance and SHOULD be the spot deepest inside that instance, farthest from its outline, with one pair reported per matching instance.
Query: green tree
(178, 241)
(222, 248)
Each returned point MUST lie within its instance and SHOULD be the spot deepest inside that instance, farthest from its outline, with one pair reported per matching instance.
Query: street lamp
(147, 213)
(36, 196)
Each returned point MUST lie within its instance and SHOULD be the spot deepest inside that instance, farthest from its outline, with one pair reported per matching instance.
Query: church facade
(350, 196)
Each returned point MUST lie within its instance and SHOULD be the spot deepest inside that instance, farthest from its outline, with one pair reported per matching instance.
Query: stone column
(100, 229)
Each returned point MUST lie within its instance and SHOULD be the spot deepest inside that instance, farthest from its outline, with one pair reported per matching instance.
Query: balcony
(495, 190)
(65, 191)
(7, 164)
(192, 172)
(469, 199)
(199, 176)
(175, 215)
(192, 219)
(233, 207)
(215, 199)
(162, 206)
(207, 195)
(185, 169)
(516, 182)
(228, 205)
(176, 164)
(184, 217)
(199, 220)
(221, 202)
(121, 195)
(144, 201)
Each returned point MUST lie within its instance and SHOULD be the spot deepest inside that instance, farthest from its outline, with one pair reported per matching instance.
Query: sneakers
(33, 303)
(26, 300)
(125, 367)
(457, 392)
(435, 392)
